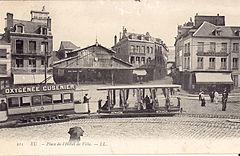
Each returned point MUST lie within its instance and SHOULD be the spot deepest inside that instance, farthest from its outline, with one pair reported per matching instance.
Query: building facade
(5, 64)
(207, 54)
(93, 64)
(31, 46)
(144, 52)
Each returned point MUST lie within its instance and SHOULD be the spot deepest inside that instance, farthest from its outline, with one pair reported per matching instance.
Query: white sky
(81, 21)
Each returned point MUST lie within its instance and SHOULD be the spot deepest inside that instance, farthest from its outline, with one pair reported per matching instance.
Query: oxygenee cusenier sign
(40, 88)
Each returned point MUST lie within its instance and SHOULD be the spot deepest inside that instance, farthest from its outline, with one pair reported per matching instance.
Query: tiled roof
(207, 30)
(29, 26)
(67, 45)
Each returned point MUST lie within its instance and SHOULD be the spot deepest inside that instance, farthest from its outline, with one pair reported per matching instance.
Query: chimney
(9, 21)
(115, 39)
(120, 36)
(49, 23)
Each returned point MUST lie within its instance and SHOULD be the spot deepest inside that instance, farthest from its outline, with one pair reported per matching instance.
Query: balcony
(20, 70)
(211, 53)
(31, 54)
(234, 68)
(186, 54)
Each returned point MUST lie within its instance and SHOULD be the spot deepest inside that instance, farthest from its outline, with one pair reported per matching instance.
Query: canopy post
(109, 99)
(77, 77)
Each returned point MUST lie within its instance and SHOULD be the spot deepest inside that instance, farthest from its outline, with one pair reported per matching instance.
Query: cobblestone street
(117, 128)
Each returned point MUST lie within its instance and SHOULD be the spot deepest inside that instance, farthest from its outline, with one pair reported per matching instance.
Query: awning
(31, 78)
(213, 78)
(140, 72)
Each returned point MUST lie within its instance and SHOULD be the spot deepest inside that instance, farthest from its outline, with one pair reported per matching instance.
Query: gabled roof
(205, 29)
(29, 26)
(67, 45)
(94, 45)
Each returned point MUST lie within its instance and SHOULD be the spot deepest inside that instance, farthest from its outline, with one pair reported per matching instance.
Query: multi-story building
(143, 52)
(5, 63)
(31, 45)
(207, 54)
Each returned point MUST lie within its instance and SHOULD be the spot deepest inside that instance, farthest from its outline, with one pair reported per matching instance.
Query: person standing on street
(203, 101)
(86, 100)
(211, 95)
(224, 99)
(199, 96)
(216, 97)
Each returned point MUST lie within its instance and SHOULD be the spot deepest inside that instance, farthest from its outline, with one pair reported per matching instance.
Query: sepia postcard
(119, 77)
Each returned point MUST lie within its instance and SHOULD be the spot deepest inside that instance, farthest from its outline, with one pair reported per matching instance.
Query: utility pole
(45, 67)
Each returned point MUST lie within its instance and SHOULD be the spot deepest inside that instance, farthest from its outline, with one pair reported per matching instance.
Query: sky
(82, 21)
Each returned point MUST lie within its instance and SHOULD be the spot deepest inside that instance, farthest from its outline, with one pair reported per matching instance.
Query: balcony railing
(212, 53)
(235, 51)
(31, 53)
(19, 70)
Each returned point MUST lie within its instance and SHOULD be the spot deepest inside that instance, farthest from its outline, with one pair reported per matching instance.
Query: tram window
(67, 97)
(57, 98)
(13, 102)
(25, 101)
(47, 99)
(36, 100)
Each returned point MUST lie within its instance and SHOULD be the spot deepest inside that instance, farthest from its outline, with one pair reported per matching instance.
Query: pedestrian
(179, 101)
(211, 95)
(216, 97)
(147, 102)
(86, 99)
(203, 101)
(199, 96)
(224, 99)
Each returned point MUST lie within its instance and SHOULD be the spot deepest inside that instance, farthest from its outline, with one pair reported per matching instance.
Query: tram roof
(139, 87)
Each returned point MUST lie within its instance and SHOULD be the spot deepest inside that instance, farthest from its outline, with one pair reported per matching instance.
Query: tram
(40, 103)
(140, 99)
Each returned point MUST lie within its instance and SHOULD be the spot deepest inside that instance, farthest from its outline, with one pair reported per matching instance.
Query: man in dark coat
(224, 100)
(86, 99)
(211, 95)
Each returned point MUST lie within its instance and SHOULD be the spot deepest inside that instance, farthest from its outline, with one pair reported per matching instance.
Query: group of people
(214, 97)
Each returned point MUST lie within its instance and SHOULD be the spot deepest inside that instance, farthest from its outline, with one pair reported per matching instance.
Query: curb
(208, 116)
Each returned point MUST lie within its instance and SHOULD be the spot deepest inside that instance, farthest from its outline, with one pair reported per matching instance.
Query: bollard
(75, 133)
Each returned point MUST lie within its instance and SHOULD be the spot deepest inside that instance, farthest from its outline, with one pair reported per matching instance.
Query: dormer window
(217, 32)
(43, 30)
(19, 28)
(237, 33)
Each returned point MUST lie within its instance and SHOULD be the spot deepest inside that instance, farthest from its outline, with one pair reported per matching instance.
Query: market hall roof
(93, 57)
